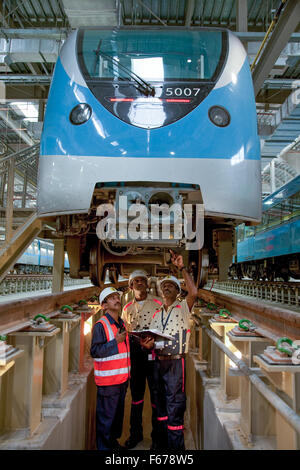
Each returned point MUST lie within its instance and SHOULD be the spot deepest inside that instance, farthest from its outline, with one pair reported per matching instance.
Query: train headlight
(219, 116)
(161, 198)
(80, 114)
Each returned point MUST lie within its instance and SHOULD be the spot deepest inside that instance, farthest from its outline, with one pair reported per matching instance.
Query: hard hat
(106, 292)
(171, 279)
(137, 273)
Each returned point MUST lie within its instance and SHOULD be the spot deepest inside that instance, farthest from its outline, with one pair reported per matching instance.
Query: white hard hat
(106, 292)
(171, 279)
(137, 273)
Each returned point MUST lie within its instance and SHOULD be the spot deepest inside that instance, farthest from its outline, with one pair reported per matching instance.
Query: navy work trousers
(169, 376)
(109, 415)
(141, 370)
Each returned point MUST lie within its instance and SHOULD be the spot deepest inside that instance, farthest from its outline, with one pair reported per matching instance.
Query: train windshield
(151, 55)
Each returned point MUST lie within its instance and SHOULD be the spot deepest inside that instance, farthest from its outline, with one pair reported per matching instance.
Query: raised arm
(177, 260)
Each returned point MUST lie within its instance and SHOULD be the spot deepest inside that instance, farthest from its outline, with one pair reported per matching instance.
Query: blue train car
(272, 249)
(153, 115)
(38, 258)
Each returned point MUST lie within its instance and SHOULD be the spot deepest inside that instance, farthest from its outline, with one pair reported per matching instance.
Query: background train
(37, 259)
(272, 249)
(153, 115)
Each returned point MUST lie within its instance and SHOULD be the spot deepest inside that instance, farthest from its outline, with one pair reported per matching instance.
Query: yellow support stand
(230, 384)
(8, 356)
(24, 402)
(257, 415)
(88, 319)
(207, 351)
(286, 379)
(56, 360)
(210, 352)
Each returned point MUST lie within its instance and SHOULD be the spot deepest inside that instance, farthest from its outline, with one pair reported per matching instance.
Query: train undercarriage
(118, 253)
(270, 269)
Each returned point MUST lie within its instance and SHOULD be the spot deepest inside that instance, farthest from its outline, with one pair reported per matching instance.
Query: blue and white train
(272, 249)
(160, 116)
(38, 259)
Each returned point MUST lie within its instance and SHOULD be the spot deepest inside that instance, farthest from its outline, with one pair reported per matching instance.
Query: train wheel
(199, 263)
(96, 264)
(113, 274)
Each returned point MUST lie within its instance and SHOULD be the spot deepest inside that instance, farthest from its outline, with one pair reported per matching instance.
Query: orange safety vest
(112, 370)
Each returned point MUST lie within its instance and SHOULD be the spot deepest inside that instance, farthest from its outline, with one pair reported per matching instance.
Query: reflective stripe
(178, 306)
(163, 418)
(111, 358)
(112, 370)
(137, 402)
(175, 428)
(127, 305)
(108, 373)
(156, 312)
(153, 406)
(157, 301)
(110, 331)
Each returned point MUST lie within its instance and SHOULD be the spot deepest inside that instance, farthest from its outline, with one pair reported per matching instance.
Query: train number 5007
(182, 91)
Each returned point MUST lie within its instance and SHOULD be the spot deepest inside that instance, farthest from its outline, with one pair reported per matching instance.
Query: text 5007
(181, 91)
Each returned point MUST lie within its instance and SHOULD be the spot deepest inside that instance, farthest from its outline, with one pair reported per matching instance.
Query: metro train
(161, 117)
(272, 249)
(38, 259)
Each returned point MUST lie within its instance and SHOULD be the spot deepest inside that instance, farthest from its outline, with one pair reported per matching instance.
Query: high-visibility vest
(112, 370)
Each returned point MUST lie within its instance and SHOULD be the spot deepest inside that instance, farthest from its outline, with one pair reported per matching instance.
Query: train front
(145, 132)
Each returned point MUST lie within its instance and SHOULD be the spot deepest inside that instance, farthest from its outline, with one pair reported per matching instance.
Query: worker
(137, 315)
(110, 350)
(174, 319)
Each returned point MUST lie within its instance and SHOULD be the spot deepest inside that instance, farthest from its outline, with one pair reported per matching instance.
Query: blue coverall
(110, 398)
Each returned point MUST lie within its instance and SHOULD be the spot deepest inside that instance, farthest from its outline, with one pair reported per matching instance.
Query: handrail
(19, 152)
(19, 241)
(287, 412)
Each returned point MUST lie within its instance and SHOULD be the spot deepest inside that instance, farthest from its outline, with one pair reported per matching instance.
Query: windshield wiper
(143, 86)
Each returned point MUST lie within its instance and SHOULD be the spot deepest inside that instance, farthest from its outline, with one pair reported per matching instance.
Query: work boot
(132, 442)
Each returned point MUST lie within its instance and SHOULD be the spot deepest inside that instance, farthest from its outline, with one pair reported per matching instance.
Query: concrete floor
(146, 443)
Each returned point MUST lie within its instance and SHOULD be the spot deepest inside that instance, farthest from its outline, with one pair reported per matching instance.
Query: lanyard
(164, 324)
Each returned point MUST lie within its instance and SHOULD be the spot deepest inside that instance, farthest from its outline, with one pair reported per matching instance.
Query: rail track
(17, 314)
(276, 321)
(18, 283)
(272, 322)
(287, 293)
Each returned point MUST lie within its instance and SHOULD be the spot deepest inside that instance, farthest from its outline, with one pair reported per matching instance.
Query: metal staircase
(18, 183)
(277, 173)
(19, 224)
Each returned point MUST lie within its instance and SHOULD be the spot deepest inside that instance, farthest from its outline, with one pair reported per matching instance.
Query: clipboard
(156, 334)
